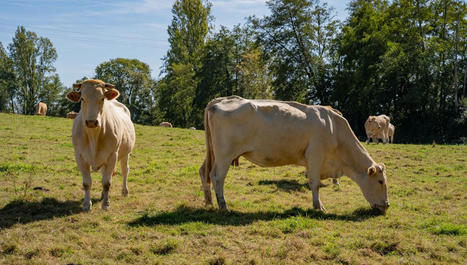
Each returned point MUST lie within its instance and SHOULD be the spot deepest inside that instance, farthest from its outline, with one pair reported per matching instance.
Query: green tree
(254, 80)
(187, 32)
(297, 37)
(404, 58)
(133, 79)
(51, 95)
(187, 35)
(33, 59)
(7, 82)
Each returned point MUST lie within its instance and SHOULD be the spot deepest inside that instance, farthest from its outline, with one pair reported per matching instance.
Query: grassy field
(271, 220)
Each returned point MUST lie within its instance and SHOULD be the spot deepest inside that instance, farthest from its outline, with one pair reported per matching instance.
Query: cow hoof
(125, 193)
(105, 206)
(87, 207)
(321, 209)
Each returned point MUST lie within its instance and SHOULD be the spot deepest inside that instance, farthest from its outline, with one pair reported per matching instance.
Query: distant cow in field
(376, 127)
(102, 135)
(192, 128)
(391, 131)
(276, 133)
(166, 124)
(71, 115)
(41, 109)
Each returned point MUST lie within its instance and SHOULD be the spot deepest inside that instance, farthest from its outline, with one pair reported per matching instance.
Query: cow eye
(381, 182)
(82, 99)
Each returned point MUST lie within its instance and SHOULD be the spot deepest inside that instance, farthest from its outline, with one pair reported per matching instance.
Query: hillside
(270, 221)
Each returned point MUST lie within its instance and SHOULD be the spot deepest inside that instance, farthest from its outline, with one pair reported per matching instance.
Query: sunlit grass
(271, 220)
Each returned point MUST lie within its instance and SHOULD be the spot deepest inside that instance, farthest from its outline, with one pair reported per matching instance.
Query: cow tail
(209, 152)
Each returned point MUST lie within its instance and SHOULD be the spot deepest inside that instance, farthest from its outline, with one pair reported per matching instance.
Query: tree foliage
(32, 59)
(133, 79)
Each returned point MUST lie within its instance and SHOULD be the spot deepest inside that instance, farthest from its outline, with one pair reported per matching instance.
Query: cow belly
(273, 158)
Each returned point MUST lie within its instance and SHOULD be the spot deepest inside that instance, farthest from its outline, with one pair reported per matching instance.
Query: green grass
(271, 220)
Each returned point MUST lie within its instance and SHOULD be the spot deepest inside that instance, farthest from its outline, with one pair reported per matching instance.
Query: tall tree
(7, 82)
(187, 35)
(133, 79)
(297, 36)
(33, 59)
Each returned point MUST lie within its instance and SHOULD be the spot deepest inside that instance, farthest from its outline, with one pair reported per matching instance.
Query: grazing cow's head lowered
(374, 187)
(92, 94)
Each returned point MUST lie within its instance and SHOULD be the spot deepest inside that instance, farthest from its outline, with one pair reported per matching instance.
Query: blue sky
(86, 33)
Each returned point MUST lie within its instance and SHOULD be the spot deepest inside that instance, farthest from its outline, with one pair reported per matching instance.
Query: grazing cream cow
(376, 127)
(391, 133)
(102, 135)
(166, 124)
(71, 115)
(41, 109)
(192, 128)
(276, 133)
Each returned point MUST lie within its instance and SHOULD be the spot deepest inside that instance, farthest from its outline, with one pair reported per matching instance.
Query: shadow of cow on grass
(23, 212)
(184, 214)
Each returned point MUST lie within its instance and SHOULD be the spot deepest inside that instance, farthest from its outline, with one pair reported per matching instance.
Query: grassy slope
(270, 222)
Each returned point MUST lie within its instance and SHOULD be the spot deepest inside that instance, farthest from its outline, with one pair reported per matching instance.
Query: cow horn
(109, 86)
(77, 86)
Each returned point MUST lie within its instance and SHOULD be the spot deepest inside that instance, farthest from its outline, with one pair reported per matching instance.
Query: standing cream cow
(166, 124)
(276, 133)
(41, 109)
(102, 135)
(376, 127)
(71, 115)
(391, 133)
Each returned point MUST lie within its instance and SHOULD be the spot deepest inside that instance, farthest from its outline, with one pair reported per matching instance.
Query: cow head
(93, 95)
(373, 124)
(373, 184)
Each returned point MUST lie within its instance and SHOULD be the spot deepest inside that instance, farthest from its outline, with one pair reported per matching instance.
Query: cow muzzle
(382, 207)
(92, 123)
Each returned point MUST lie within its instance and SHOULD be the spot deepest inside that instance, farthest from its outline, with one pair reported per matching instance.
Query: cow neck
(358, 159)
(93, 139)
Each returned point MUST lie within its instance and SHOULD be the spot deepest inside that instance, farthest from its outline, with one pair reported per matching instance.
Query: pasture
(271, 220)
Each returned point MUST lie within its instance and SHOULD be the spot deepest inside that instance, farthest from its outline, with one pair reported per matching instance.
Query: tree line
(403, 58)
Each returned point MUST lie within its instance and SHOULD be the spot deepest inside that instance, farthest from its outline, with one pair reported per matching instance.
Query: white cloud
(134, 7)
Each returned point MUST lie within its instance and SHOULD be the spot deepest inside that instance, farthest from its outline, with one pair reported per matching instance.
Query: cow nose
(92, 123)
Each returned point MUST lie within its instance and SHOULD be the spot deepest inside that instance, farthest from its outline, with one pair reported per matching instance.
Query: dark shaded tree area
(402, 58)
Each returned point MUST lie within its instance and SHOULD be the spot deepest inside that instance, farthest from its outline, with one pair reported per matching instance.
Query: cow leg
(314, 163)
(375, 140)
(125, 169)
(87, 182)
(218, 173)
(206, 185)
(107, 171)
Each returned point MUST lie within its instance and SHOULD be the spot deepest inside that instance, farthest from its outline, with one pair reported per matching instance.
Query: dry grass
(271, 219)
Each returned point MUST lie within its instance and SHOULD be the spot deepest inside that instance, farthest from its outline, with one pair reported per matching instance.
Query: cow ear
(111, 94)
(73, 96)
(107, 85)
(77, 86)
(383, 167)
(371, 171)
